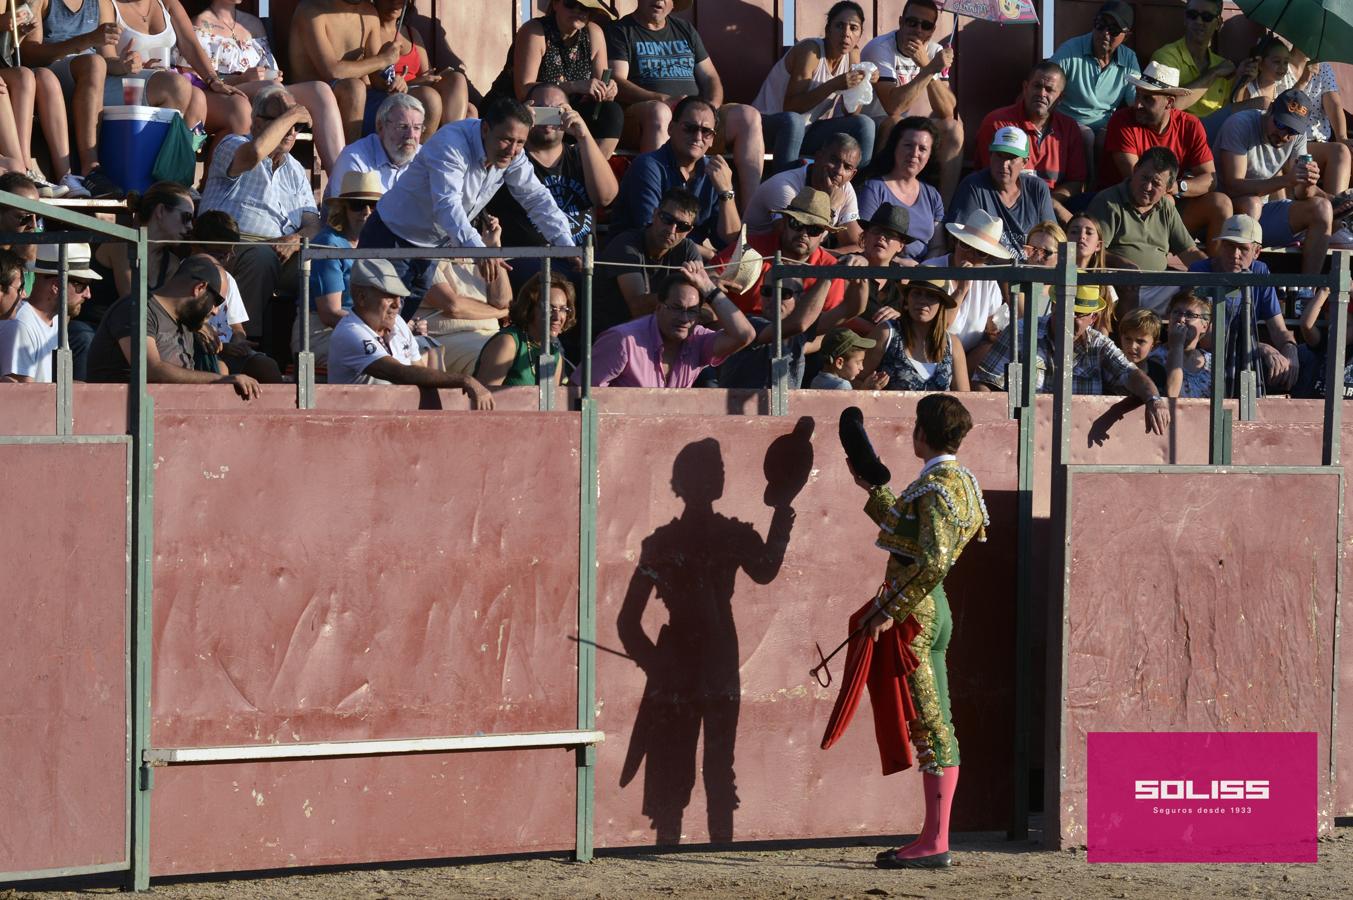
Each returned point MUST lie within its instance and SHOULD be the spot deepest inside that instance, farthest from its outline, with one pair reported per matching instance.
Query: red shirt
(766, 244)
(1057, 153)
(1184, 136)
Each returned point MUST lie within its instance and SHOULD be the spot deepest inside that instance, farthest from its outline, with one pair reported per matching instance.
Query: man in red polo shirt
(1056, 148)
(1156, 120)
(797, 235)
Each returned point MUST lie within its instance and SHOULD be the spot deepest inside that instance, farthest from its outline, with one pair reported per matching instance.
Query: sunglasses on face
(1038, 254)
(918, 24)
(367, 205)
(682, 312)
(1197, 15)
(1108, 26)
(810, 230)
(692, 128)
(667, 218)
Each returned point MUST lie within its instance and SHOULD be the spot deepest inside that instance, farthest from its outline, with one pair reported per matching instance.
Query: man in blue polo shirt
(682, 162)
(1097, 68)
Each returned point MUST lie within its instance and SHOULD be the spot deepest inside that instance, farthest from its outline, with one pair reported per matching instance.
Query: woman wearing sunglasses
(330, 298)
(166, 211)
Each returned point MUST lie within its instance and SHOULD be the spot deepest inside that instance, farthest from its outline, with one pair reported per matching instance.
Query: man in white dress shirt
(436, 201)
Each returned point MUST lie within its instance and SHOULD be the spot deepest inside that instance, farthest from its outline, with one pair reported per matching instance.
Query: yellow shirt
(1177, 55)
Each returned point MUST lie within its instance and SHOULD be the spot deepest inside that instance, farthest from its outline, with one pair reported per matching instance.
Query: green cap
(840, 341)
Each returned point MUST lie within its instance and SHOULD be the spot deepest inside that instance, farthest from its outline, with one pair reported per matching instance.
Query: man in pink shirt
(667, 348)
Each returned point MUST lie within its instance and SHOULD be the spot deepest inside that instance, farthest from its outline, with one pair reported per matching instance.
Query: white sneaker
(74, 186)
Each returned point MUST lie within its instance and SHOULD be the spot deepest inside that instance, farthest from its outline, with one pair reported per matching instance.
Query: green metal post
(779, 365)
(305, 359)
(546, 362)
(589, 252)
(587, 629)
(1334, 362)
(1218, 441)
(142, 426)
(64, 373)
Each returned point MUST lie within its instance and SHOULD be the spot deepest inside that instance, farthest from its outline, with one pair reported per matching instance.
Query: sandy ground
(986, 867)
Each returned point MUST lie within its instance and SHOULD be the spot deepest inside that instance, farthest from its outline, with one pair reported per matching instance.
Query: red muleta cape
(883, 666)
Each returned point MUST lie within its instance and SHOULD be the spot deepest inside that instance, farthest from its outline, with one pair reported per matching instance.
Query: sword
(821, 667)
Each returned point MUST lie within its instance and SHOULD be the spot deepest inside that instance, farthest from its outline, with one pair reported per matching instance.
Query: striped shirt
(265, 203)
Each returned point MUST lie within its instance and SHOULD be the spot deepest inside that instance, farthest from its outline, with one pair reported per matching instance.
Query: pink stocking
(939, 798)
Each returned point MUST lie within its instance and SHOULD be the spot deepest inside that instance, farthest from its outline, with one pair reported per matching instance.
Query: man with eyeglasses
(914, 68)
(257, 181)
(389, 149)
(1235, 250)
(1269, 174)
(1200, 68)
(635, 261)
(658, 58)
(1097, 68)
(799, 230)
(831, 172)
(1001, 189)
(668, 348)
(684, 162)
(174, 314)
(31, 335)
(1098, 367)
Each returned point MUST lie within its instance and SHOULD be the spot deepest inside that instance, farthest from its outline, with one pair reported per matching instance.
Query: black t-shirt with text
(663, 60)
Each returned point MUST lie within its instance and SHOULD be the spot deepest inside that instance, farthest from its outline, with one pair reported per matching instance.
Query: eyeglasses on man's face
(682, 312)
(810, 230)
(1108, 26)
(680, 225)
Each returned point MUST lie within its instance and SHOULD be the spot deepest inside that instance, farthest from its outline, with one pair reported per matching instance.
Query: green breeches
(932, 732)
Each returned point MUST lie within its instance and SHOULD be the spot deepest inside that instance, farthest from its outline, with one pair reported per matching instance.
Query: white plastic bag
(857, 98)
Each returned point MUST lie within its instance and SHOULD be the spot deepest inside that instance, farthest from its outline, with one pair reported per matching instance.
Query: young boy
(843, 355)
(1138, 334)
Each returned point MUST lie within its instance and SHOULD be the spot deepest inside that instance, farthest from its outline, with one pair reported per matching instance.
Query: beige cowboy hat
(981, 231)
(1161, 79)
(359, 186)
(935, 286)
(599, 5)
(810, 207)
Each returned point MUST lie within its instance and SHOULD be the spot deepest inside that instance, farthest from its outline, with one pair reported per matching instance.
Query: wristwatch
(1183, 186)
(1155, 399)
(726, 195)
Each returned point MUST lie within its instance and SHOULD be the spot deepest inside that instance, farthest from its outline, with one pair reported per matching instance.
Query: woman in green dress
(512, 356)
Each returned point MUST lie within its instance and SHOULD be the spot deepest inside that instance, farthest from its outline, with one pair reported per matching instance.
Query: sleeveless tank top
(409, 65)
(152, 47)
(904, 376)
(561, 62)
(60, 24)
(771, 98)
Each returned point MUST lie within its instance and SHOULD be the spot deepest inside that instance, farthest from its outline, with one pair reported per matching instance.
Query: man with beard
(30, 337)
(450, 182)
(641, 257)
(387, 151)
(835, 165)
(1056, 146)
(174, 313)
(256, 180)
(575, 172)
(1157, 119)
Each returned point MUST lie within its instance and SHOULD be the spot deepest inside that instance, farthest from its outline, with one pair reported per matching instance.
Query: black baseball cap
(1119, 11)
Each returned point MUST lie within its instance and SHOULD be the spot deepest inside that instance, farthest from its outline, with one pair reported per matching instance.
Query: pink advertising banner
(1202, 797)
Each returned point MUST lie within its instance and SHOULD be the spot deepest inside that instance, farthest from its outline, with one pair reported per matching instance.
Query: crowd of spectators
(616, 130)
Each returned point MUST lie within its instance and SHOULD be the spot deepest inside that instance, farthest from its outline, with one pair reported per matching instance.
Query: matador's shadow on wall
(692, 666)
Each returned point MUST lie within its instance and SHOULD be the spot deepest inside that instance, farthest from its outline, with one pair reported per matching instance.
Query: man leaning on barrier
(1097, 364)
(373, 345)
(174, 313)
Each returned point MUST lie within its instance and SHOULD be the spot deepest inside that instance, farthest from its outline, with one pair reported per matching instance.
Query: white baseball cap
(1011, 140)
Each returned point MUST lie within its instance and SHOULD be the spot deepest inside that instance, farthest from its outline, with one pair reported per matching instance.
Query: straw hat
(1161, 79)
(743, 271)
(359, 186)
(810, 207)
(598, 5)
(981, 231)
(936, 285)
